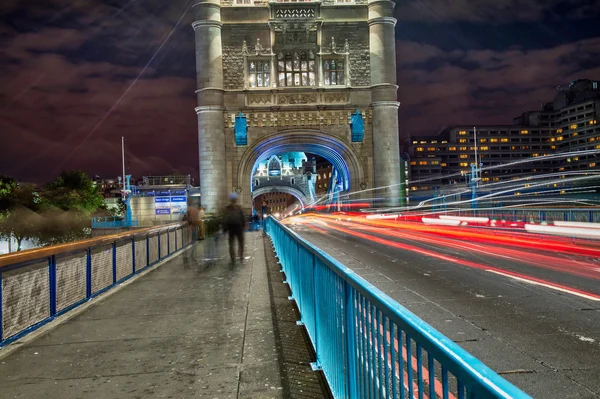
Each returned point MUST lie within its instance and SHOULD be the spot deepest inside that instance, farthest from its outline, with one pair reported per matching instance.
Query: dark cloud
(76, 75)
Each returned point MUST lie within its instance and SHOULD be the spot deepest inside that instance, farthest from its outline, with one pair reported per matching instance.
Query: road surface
(526, 306)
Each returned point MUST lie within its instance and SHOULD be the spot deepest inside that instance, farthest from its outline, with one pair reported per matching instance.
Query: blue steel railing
(111, 222)
(40, 284)
(368, 345)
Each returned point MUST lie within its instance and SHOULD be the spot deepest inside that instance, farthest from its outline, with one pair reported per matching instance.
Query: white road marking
(579, 294)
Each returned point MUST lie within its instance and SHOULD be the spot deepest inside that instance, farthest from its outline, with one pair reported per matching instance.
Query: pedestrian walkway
(192, 327)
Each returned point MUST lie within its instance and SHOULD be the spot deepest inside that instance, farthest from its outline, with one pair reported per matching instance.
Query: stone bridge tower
(275, 77)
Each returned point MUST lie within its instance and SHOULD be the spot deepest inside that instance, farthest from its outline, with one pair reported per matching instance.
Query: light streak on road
(516, 247)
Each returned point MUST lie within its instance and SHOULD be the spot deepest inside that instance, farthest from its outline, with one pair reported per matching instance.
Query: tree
(19, 215)
(73, 191)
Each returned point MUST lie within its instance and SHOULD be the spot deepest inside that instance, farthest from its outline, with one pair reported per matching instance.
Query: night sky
(76, 75)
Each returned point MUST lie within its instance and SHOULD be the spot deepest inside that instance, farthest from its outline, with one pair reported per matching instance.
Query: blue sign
(162, 199)
(241, 130)
(178, 199)
(178, 192)
(163, 193)
(163, 211)
(357, 126)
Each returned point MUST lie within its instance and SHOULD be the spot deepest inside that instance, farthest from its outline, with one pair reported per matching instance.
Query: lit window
(552, 139)
(535, 155)
(296, 69)
(462, 133)
(483, 140)
(462, 140)
(333, 72)
(493, 140)
(592, 164)
(463, 148)
(504, 140)
(573, 127)
(413, 163)
(463, 156)
(451, 148)
(559, 138)
(430, 148)
(591, 139)
(444, 141)
(485, 148)
(524, 131)
(435, 162)
(433, 141)
(423, 142)
(422, 162)
(575, 134)
(464, 164)
(444, 164)
(594, 122)
(559, 130)
(259, 73)
(553, 147)
(415, 142)
(419, 149)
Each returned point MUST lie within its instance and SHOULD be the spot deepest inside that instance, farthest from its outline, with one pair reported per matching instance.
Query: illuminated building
(275, 77)
(569, 123)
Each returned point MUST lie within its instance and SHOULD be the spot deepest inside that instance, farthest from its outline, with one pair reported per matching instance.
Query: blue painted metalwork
(52, 277)
(241, 130)
(353, 326)
(357, 126)
(112, 222)
(52, 287)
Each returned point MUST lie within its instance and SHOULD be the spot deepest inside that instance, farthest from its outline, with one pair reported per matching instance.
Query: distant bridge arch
(338, 152)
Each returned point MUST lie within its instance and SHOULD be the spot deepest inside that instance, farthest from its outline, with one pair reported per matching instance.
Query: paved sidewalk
(193, 327)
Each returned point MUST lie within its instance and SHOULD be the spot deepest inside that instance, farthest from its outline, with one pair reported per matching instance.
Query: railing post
(158, 239)
(317, 363)
(88, 273)
(52, 276)
(352, 390)
(168, 242)
(147, 249)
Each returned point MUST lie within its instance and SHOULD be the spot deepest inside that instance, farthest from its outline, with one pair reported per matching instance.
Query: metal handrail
(366, 343)
(40, 284)
(37, 253)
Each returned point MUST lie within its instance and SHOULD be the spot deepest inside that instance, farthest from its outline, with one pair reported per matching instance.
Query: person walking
(234, 223)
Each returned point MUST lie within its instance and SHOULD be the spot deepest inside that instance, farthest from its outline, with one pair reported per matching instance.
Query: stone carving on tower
(305, 71)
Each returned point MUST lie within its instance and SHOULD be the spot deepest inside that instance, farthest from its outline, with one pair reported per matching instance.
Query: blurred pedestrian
(234, 223)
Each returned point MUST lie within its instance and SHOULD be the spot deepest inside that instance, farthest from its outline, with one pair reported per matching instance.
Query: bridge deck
(192, 327)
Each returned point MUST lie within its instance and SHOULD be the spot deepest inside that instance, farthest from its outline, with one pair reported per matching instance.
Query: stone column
(211, 129)
(386, 146)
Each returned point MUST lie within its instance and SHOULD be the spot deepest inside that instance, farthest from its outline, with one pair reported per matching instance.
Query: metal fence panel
(71, 279)
(172, 247)
(25, 297)
(102, 268)
(124, 259)
(153, 248)
(164, 244)
(141, 257)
